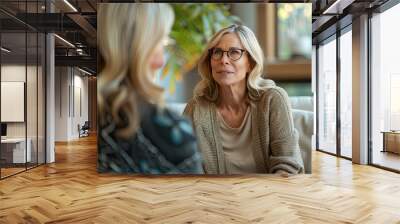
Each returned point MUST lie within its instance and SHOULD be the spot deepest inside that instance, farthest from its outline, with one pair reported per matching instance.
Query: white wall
(12, 73)
(71, 94)
(16, 73)
(12, 100)
(82, 83)
(61, 103)
(33, 126)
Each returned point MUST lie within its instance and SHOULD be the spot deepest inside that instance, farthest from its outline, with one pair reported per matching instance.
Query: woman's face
(157, 57)
(227, 71)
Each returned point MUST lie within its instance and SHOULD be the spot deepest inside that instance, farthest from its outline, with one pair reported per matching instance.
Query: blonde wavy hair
(127, 36)
(208, 88)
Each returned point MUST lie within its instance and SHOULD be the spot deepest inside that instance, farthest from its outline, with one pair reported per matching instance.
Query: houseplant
(194, 25)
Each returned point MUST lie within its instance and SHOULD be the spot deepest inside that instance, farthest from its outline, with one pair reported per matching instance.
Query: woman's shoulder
(272, 91)
(274, 96)
(164, 141)
(170, 132)
(198, 104)
(167, 125)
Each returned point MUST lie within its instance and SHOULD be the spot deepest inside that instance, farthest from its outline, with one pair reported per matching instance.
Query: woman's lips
(224, 72)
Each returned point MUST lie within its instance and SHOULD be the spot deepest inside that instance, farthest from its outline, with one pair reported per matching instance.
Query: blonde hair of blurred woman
(127, 35)
(208, 88)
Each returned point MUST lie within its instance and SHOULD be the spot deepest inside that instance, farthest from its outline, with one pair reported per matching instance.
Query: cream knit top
(236, 143)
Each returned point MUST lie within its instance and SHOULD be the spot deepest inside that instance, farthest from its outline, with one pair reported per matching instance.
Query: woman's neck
(233, 97)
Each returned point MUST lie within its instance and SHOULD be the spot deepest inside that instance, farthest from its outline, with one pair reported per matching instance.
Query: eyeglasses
(233, 53)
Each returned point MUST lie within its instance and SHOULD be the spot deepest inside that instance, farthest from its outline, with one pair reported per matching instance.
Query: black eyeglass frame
(210, 52)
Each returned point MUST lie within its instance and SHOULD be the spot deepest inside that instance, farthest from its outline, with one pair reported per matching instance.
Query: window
(346, 94)
(294, 31)
(385, 88)
(327, 97)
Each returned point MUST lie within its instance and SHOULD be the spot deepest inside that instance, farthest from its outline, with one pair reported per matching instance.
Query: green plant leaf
(193, 27)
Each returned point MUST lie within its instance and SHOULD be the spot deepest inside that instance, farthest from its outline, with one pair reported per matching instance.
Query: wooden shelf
(289, 70)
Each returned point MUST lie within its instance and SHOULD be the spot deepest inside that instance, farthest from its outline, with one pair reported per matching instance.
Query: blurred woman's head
(130, 39)
(232, 55)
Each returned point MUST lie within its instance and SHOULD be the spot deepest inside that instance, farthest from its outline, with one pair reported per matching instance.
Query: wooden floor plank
(71, 191)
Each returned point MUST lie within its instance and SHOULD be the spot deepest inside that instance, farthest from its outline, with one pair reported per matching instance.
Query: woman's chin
(228, 82)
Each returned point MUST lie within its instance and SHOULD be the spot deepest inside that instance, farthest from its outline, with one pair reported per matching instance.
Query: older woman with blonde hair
(137, 135)
(243, 122)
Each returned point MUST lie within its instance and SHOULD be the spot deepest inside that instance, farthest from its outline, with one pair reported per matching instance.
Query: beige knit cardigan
(275, 140)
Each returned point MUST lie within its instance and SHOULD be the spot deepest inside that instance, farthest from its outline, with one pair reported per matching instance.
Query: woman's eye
(235, 52)
(217, 51)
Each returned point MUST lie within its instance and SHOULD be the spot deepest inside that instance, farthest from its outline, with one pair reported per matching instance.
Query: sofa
(302, 111)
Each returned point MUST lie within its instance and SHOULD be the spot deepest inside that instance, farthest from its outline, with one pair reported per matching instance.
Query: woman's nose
(225, 58)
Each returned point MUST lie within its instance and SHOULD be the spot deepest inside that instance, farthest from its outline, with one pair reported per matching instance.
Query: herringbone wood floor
(71, 191)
